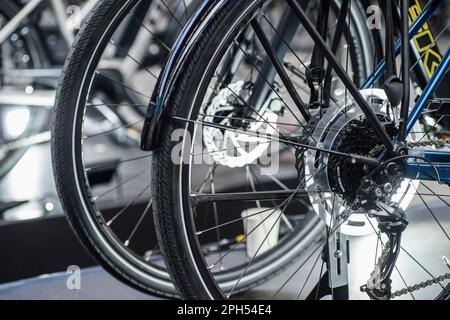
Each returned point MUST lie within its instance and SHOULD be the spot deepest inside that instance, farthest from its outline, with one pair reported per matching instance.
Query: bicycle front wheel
(102, 176)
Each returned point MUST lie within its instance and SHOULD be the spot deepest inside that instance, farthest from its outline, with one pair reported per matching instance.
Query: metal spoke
(302, 76)
(119, 162)
(254, 109)
(321, 245)
(431, 46)
(205, 179)
(276, 208)
(122, 85)
(433, 215)
(240, 241)
(284, 205)
(376, 249)
(147, 209)
(280, 69)
(165, 46)
(134, 59)
(295, 54)
(426, 133)
(118, 186)
(283, 186)
(420, 264)
(113, 130)
(268, 83)
(216, 214)
(307, 277)
(435, 194)
(284, 141)
(171, 13)
(241, 219)
(284, 41)
(128, 205)
(186, 10)
(320, 280)
(232, 222)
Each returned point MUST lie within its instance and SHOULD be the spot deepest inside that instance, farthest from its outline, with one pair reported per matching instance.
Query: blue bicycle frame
(438, 162)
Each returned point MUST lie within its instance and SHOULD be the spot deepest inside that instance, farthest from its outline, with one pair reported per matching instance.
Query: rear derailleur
(374, 199)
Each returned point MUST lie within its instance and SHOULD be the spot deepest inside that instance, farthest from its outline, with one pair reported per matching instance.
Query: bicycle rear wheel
(102, 177)
(202, 203)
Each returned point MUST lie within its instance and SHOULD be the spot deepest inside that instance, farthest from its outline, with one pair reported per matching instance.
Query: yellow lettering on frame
(424, 41)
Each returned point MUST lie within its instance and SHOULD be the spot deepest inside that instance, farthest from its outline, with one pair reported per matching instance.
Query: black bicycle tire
(101, 16)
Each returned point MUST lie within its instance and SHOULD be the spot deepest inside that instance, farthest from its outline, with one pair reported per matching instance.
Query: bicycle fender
(187, 39)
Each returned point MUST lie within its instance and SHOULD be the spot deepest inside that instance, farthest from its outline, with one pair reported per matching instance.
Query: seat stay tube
(349, 85)
(423, 18)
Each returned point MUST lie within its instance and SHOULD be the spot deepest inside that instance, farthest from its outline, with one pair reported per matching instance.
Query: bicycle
(362, 157)
(115, 105)
(74, 162)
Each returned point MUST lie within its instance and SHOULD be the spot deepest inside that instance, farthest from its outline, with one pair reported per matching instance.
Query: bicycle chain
(376, 272)
(409, 289)
(384, 254)
(440, 143)
(421, 285)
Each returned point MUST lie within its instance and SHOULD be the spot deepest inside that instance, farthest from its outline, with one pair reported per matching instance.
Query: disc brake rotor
(234, 149)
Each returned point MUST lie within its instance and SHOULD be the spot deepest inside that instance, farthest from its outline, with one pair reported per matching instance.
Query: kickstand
(337, 254)
(322, 289)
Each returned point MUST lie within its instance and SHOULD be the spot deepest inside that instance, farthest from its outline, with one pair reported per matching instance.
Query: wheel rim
(207, 279)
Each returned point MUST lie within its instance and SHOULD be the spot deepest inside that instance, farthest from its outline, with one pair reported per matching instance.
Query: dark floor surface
(96, 284)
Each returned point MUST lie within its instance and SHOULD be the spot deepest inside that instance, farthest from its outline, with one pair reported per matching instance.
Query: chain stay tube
(439, 164)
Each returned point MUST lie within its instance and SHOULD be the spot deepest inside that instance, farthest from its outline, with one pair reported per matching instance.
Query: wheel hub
(332, 181)
(358, 137)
